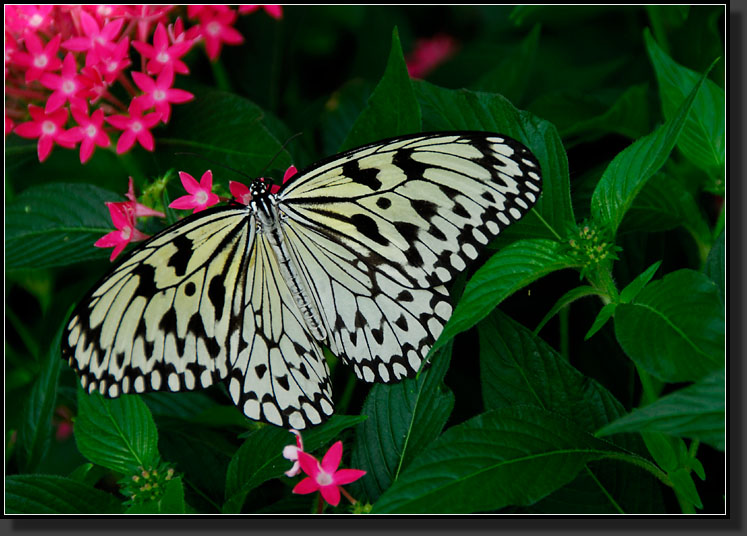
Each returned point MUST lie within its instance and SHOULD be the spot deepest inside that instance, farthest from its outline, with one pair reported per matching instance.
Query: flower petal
(309, 464)
(331, 494)
(331, 460)
(307, 485)
(346, 476)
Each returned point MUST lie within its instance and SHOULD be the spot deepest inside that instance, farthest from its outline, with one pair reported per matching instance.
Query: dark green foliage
(613, 404)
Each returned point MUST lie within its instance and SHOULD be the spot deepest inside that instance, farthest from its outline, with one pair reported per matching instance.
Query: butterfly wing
(379, 229)
(198, 303)
(279, 374)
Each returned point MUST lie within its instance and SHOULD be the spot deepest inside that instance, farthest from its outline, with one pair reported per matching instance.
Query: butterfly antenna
(282, 148)
(217, 164)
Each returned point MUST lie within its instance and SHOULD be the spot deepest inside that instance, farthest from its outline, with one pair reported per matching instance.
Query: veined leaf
(53, 494)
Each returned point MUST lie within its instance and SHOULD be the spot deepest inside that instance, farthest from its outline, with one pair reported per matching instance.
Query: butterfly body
(352, 253)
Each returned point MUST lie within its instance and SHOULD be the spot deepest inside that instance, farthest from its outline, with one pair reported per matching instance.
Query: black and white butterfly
(351, 253)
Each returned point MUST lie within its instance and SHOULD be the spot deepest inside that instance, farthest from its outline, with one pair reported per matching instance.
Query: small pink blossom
(97, 41)
(47, 127)
(200, 195)
(288, 174)
(161, 54)
(67, 86)
(136, 127)
(138, 209)
(116, 59)
(159, 93)
(216, 28)
(240, 192)
(90, 132)
(124, 220)
(325, 477)
(290, 452)
(276, 12)
(33, 17)
(429, 54)
(63, 422)
(39, 58)
(93, 83)
(9, 124)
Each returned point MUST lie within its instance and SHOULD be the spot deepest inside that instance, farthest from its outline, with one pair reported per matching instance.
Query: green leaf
(116, 433)
(403, 419)
(629, 293)
(172, 501)
(222, 127)
(392, 109)
(35, 431)
(56, 225)
(509, 270)
(675, 328)
(447, 109)
(509, 456)
(697, 412)
(260, 457)
(703, 138)
(682, 481)
(605, 313)
(565, 300)
(629, 171)
(53, 494)
(715, 265)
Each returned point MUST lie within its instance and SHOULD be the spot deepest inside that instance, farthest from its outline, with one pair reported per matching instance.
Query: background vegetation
(584, 368)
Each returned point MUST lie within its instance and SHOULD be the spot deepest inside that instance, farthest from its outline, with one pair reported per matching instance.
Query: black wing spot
(401, 322)
(367, 227)
(283, 381)
(189, 289)
(425, 209)
(405, 296)
(180, 259)
(365, 176)
(217, 295)
(260, 370)
(383, 203)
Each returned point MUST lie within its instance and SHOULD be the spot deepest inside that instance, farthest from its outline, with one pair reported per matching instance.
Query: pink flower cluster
(429, 53)
(199, 197)
(67, 68)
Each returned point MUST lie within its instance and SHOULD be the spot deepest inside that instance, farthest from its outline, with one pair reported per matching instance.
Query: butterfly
(351, 253)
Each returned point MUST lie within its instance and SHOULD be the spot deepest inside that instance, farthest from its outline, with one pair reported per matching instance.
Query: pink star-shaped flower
(47, 127)
(115, 60)
(276, 12)
(36, 16)
(124, 220)
(93, 83)
(161, 54)
(138, 209)
(89, 132)
(216, 28)
(135, 127)
(39, 58)
(67, 86)
(200, 195)
(159, 93)
(97, 41)
(325, 476)
(241, 191)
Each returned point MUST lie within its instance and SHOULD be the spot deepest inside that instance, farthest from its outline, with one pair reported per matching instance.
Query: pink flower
(63, 421)
(137, 209)
(39, 58)
(89, 132)
(325, 476)
(200, 196)
(36, 17)
(288, 174)
(290, 452)
(276, 12)
(67, 86)
(9, 124)
(429, 54)
(97, 41)
(115, 60)
(241, 193)
(216, 28)
(47, 127)
(160, 54)
(124, 220)
(159, 93)
(135, 127)
(93, 84)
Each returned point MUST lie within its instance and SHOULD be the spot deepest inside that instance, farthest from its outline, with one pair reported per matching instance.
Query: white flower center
(35, 20)
(41, 61)
(68, 86)
(201, 197)
(48, 127)
(91, 131)
(213, 28)
(104, 11)
(323, 479)
(159, 95)
(126, 233)
(136, 126)
(112, 66)
(101, 40)
(163, 57)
